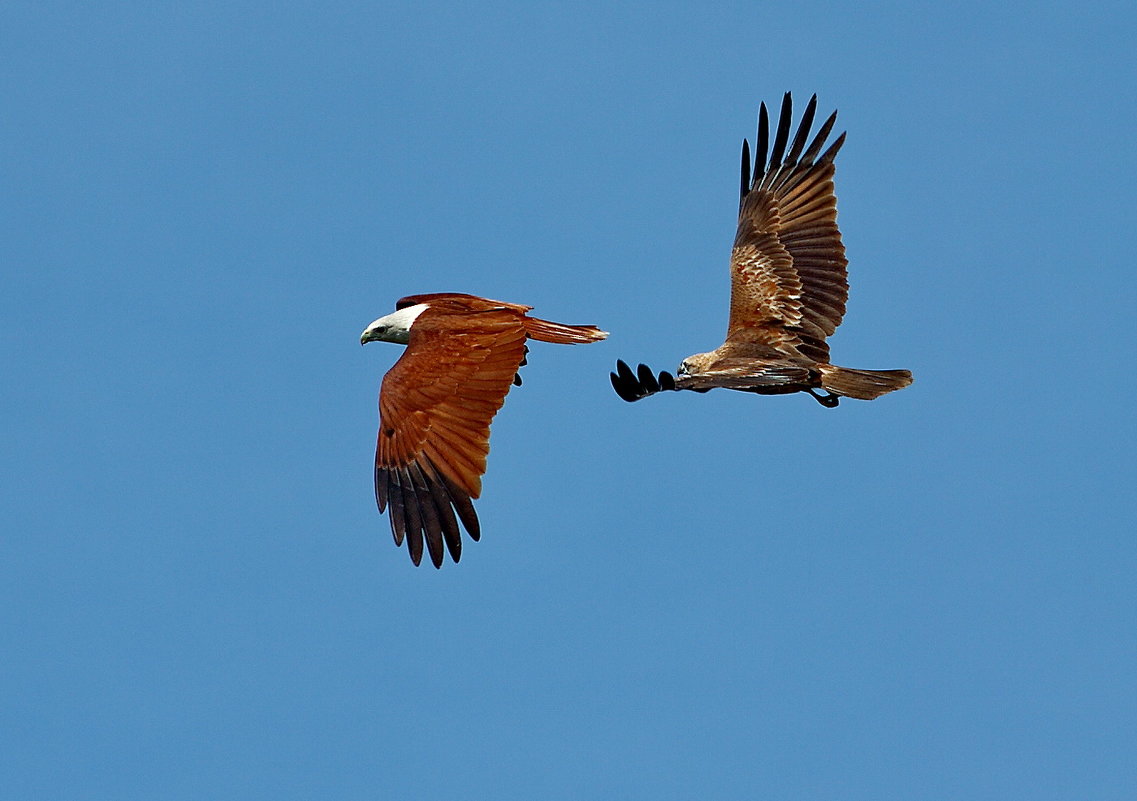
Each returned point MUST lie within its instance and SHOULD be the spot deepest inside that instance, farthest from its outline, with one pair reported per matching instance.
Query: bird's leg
(829, 400)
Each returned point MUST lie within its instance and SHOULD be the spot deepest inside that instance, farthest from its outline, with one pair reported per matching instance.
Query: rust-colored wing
(788, 267)
(460, 303)
(435, 409)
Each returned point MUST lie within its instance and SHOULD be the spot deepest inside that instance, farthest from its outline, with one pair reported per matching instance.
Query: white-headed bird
(436, 404)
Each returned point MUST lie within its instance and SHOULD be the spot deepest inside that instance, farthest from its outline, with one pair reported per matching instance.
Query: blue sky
(697, 596)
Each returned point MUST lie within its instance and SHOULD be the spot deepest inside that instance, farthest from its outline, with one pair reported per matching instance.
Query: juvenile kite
(788, 282)
(436, 404)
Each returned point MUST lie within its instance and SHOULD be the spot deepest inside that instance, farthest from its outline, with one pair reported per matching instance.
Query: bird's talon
(828, 400)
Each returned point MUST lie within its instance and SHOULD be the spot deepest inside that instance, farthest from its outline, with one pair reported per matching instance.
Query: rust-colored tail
(561, 334)
(862, 384)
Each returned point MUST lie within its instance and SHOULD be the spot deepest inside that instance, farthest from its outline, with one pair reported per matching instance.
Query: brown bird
(436, 404)
(788, 282)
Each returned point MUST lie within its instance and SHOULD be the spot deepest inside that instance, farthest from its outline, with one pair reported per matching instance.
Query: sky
(716, 596)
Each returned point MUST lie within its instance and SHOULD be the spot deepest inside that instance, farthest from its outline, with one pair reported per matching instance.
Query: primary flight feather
(435, 407)
(788, 281)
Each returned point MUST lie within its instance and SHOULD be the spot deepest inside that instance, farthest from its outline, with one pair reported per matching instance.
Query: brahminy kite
(788, 282)
(436, 404)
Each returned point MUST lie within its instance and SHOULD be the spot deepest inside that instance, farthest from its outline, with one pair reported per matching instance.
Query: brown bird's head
(699, 363)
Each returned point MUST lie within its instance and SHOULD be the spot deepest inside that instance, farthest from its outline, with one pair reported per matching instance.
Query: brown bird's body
(436, 404)
(788, 282)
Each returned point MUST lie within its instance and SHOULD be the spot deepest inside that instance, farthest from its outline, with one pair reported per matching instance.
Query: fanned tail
(562, 334)
(863, 384)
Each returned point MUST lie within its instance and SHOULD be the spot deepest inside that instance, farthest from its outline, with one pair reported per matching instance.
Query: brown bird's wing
(460, 303)
(771, 378)
(788, 267)
(435, 409)
(765, 291)
(745, 375)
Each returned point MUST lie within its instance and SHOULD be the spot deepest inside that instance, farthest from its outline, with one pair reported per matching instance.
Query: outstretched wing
(435, 409)
(788, 267)
(745, 376)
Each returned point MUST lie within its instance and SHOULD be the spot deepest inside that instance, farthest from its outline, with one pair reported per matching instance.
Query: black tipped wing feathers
(632, 386)
(788, 265)
(638, 384)
(424, 508)
(435, 408)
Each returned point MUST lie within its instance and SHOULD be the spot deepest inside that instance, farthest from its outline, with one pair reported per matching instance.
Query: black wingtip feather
(647, 379)
(625, 383)
(425, 507)
(464, 507)
(745, 183)
(632, 386)
(802, 130)
(761, 142)
(396, 515)
(413, 517)
(618, 386)
(819, 140)
(443, 502)
(831, 153)
(428, 511)
(783, 133)
(448, 523)
(380, 488)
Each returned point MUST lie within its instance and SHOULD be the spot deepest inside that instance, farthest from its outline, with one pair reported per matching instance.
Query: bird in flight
(435, 407)
(788, 282)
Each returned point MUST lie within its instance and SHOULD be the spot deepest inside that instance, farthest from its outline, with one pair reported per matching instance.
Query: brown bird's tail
(561, 334)
(862, 384)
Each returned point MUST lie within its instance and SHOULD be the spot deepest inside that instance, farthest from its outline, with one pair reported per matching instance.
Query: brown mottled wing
(435, 409)
(765, 293)
(797, 188)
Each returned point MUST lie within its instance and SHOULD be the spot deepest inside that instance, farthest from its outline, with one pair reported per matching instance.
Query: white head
(395, 327)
